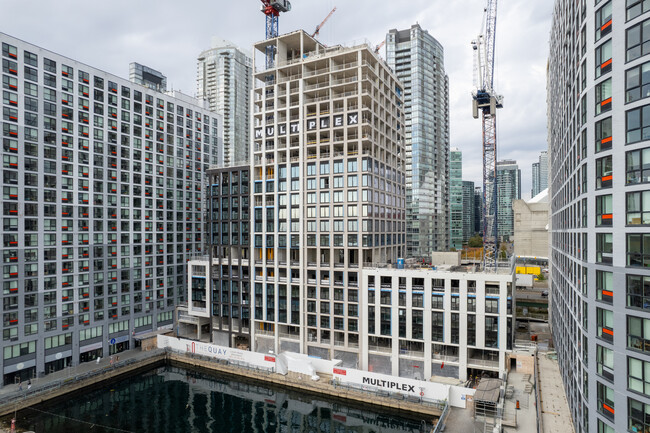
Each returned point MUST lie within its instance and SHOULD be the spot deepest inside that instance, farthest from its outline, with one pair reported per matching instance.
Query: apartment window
(471, 330)
(637, 166)
(604, 286)
(605, 400)
(604, 248)
(9, 83)
(638, 375)
(604, 172)
(605, 362)
(635, 210)
(491, 331)
(603, 134)
(437, 326)
(324, 168)
(603, 58)
(604, 210)
(636, 8)
(603, 20)
(638, 416)
(605, 322)
(437, 301)
(637, 38)
(9, 51)
(637, 82)
(58, 341)
(604, 96)
(10, 98)
(638, 246)
(637, 331)
(455, 328)
(19, 350)
(638, 291)
(87, 334)
(49, 65)
(492, 306)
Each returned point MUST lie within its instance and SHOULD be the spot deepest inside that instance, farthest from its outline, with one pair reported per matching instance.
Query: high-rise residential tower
(468, 211)
(540, 174)
(322, 271)
(478, 210)
(418, 61)
(599, 150)
(456, 199)
(102, 205)
(224, 78)
(535, 180)
(508, 190)
(328, 193)
(147, 77)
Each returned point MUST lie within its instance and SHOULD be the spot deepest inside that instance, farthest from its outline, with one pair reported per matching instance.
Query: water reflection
(170, 399)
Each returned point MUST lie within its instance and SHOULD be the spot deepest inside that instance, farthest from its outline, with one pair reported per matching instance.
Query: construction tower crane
(272, 9)
(487, 102)
(378, 47)
(318, 27)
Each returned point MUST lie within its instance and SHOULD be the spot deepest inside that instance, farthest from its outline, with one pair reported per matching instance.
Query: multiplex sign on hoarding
(417, 388)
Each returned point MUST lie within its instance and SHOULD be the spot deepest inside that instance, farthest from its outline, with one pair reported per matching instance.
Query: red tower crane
(318, 27)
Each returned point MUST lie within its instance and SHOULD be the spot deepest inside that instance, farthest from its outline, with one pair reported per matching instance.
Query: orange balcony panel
(604, 26)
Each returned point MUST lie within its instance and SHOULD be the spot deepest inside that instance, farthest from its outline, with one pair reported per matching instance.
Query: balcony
(292, 337)
(484, 363)
(185, 318)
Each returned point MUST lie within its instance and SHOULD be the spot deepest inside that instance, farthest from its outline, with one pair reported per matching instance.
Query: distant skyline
(168, 36)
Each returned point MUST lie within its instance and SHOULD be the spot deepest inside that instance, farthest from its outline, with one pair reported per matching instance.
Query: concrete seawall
(80, 384)
(304, 384)
(143, 361)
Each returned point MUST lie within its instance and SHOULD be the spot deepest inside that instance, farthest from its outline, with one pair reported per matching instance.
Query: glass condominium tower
(599, 149)
(418, 61)
(102, 206)
(456, 199)
(224, 78)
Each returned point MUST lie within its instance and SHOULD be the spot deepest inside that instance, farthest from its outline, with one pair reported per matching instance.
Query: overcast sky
(167, 35)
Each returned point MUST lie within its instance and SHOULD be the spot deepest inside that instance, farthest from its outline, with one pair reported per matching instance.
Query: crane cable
(91, 424)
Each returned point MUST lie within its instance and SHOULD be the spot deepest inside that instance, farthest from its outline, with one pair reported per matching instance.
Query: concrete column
(427, 327)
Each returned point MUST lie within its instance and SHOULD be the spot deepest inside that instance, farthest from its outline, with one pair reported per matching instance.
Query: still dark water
(171, 399)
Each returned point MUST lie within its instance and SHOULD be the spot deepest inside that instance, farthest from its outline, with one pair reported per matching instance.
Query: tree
(503, 253)
(475, 242)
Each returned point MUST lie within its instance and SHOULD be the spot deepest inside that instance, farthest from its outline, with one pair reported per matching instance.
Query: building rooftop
(542, 197)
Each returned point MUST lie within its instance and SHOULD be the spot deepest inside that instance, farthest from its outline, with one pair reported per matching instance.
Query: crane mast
(272, 9)
(487, 102)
